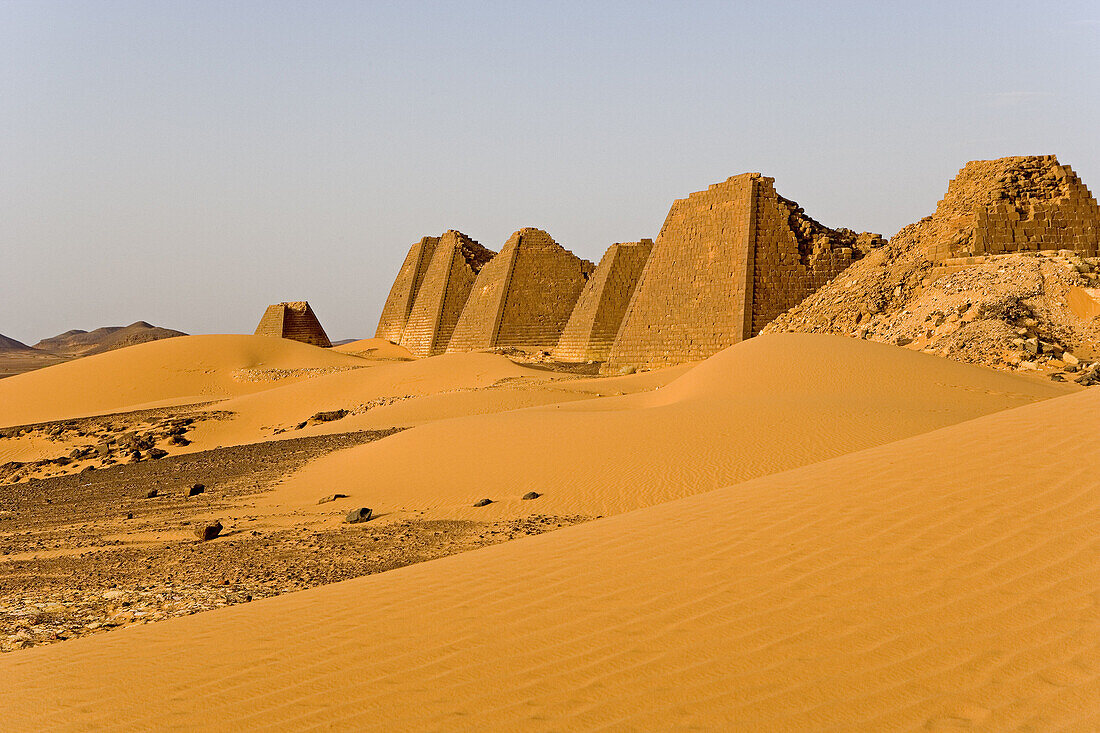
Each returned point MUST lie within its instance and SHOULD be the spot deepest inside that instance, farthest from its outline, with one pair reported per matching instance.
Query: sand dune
(173, 371)
(766, 405)
(375, 348)
(944, 581)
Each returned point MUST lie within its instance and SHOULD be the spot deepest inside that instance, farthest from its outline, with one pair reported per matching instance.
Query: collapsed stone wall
(1014, 204)
(523, 296)
(590, 331)
(727, 261)
(443, 292)
(295, 321)
(399, 303)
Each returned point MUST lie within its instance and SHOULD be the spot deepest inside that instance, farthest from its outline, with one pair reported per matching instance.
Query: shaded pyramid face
(294, 321)
(443, 292)
(399, 303)
(523, 296)
(1014, 204)
(727, 261)
(590, 331)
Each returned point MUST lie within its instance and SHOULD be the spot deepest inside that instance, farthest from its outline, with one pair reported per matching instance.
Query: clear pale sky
(188, 163)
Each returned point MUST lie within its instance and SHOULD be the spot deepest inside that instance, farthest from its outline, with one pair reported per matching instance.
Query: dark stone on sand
(358, 515)
(196, 490)
(330, 415)
(156, 453)
(531, 495)
(483, 502)
(151, 494)
(331, 497)
(209, 531)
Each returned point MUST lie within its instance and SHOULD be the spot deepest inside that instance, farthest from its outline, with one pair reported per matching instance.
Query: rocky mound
(11, 345)
(1027, 309)
(85, 343)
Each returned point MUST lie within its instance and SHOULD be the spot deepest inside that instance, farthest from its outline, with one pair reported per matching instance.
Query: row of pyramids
(708, 281)
(727, 261)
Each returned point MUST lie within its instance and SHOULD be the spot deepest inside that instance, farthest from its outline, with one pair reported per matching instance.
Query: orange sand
(929, 563)
(944, 581)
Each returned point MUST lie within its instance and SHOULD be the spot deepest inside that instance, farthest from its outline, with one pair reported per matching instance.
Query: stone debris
(331, 498)
(195, 490)
(210, 531)
(363, 514)
(531, 495)
(483, 502)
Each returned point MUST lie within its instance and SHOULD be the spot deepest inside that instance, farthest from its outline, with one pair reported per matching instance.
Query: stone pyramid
(726, 262)
(444, 289)
(591, 329)
(523, 296)
(399, 303)
(294, 321)
(1020, 203)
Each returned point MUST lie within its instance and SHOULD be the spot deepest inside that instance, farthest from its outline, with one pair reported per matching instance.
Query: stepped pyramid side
(1014, 204)
(443, 293)
(295, 321)
(399, 303)
(691, 299)
(728, 260)
(523, 296)
(591, 329)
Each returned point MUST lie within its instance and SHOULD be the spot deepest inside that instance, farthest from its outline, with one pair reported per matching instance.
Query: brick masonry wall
(443, 293)
(691, 300)
(1022, 203)
(523, 296)
(544, 286)
(591, 329)
(793, 255)
(295, 321)
(399, 303)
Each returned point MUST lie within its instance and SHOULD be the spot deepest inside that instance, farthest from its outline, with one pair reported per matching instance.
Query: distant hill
(85, 343)
(10, 344)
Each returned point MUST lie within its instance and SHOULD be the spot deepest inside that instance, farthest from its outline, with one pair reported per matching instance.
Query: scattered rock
(330, 415)
(157, 453)
(209, 531)
(331, 497)
(196, 490)
(355, 516)
(531, 495)
(483, 502)
(151, 494)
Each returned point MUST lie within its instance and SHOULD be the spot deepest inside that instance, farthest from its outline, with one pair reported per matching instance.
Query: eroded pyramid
(443, 292)
(295, 321)
(726, 262)
(590, 331)
(399, 303)
(523, 296)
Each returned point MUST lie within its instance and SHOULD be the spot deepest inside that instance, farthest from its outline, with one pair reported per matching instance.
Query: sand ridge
(946, 580)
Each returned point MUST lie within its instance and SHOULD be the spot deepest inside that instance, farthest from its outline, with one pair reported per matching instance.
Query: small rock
(1070, 359)
(209, 531)
(355, 516)
(531, 495)
(151, 494)
(330, 415)
(157, 453)
(196, 490)
(483, 502)
(331, 497)
(1032, 346)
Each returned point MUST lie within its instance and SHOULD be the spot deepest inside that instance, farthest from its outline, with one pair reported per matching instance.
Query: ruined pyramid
(523, 296)
(399, 303)
(444, 288)
(591, 329)
(294, 321)
(726, 262)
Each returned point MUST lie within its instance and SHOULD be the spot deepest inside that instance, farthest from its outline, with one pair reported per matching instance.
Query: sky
(189, 163)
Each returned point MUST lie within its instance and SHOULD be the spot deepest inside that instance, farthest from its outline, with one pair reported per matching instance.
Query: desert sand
(938, 581)
(803, 532)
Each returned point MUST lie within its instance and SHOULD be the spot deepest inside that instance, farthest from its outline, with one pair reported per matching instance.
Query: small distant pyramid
(591, 328)
(523, 296)
(294, 321)
(442, 294)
